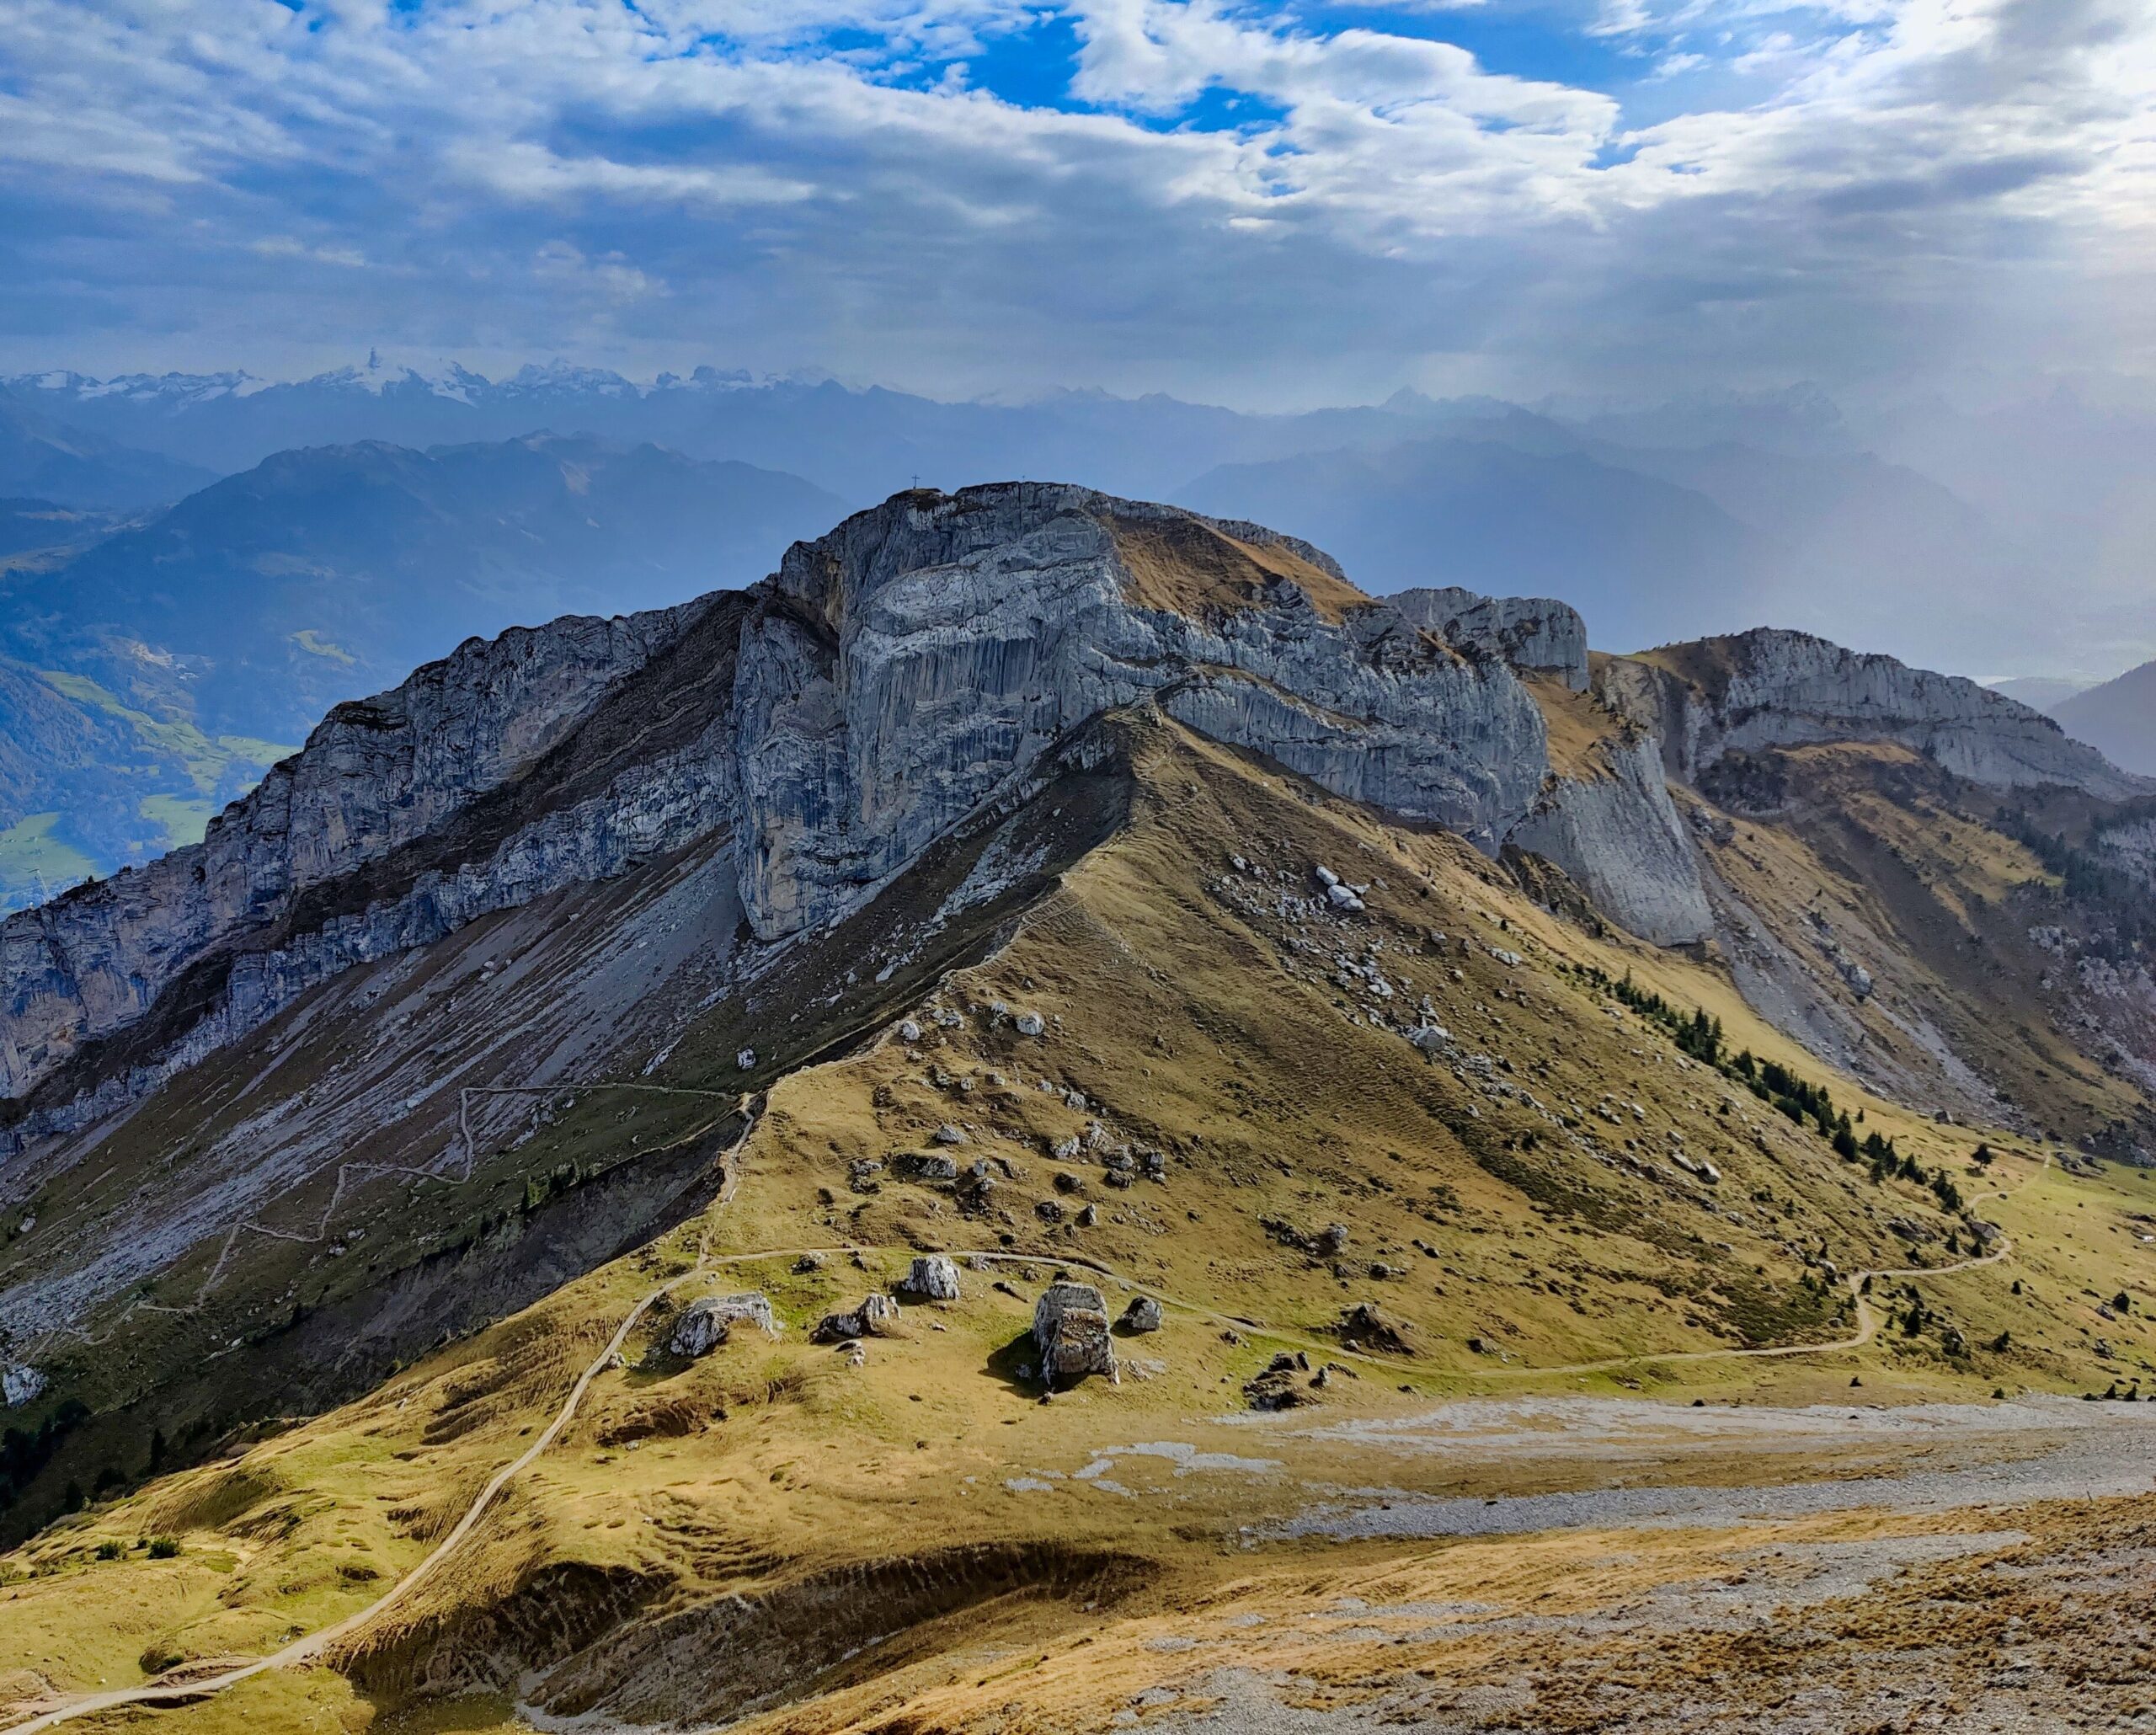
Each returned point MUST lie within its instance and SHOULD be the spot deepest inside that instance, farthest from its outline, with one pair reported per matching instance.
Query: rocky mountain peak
(920, 658)
(924, 661)
(1772, 687)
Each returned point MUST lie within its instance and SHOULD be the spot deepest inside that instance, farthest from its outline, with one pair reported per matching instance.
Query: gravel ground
(1991, 1624)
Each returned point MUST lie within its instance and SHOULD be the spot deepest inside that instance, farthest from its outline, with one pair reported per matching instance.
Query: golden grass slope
(727, 1537)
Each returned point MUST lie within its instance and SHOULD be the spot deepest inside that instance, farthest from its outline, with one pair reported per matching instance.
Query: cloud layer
(1236, 200)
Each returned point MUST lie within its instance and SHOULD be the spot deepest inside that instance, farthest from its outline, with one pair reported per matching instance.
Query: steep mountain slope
(2117, 718)
(1062, 884)
(1925, 904)
(715, 1536)
(45, 458)
(156, 671)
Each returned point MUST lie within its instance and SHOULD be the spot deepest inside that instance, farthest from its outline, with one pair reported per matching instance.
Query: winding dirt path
(311, 1647)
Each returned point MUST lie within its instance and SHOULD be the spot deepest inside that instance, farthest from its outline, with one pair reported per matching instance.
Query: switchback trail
(311, 1648)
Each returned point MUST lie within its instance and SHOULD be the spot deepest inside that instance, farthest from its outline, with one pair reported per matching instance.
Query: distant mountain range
(2118, 718)
(1653, 543)
(46, 458)
(371, 517)
(1922, 532)
(153, 676)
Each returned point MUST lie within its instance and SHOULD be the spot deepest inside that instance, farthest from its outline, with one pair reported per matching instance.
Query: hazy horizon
(1266, 206)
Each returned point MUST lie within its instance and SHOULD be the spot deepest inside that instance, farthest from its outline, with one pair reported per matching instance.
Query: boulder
(750, 1305)
(1030, 1024)
(1362, 1326)
(1275, 1389)
(700, 1330)
(933, 1277)
(1070, 1329)
(1143, 1315)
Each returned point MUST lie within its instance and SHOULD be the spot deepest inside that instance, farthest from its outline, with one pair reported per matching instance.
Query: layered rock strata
(1773, 688)
(899, 670)
(887, 681)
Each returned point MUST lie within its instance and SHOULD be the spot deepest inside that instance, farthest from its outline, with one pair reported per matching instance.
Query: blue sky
(1260, 203)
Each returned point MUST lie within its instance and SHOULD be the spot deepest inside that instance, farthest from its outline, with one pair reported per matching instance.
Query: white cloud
(1209, 186)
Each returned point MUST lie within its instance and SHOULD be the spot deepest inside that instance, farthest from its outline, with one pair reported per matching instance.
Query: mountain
(1920, 534)
(2118, 718)
(1799, 420)
(1644, 559)
(1016, 1118)
(153, 676)
(860, 443)
(1655, 543)
(50, 459)
(2042, 692)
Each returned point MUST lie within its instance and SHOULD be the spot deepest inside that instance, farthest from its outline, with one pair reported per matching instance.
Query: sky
(1255, 204)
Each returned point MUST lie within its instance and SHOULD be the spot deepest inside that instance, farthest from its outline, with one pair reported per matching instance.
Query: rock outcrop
(700, 1330)
(1772, 688)
(1618, 836)
(876, 1316)
(405, 816)
(933, 1276)
(1536, 635)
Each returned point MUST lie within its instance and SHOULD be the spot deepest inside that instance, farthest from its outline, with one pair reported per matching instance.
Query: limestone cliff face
(886, 680)
(1618, 834)
(2130, 844)
(1771, 688)
(297, 880)
(902, 668)
(824, 728)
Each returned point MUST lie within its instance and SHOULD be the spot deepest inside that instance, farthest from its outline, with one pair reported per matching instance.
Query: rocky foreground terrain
(942, 1142)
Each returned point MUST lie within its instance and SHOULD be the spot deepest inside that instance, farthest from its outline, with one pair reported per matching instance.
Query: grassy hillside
(928, 1539)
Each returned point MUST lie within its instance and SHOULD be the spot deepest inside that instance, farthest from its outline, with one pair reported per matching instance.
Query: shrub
(163, 1548)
